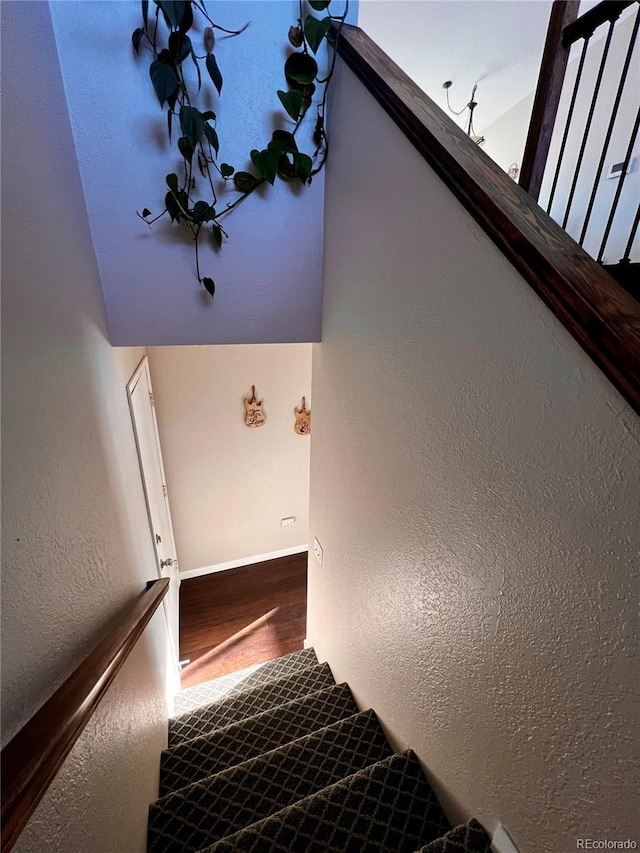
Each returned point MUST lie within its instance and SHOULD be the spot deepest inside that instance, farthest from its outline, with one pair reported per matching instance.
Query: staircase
(279, 758)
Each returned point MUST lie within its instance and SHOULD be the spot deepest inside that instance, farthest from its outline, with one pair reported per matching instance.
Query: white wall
(76, 545)
(506, 137)
(269, 274)
(474, 485)
(493, 43)
(230, 486)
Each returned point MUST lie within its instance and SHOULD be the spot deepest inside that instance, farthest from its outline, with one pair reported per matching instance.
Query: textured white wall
(474, 485)
(76, 545)
(229, 486)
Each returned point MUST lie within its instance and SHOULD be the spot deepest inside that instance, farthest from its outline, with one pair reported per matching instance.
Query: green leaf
(245, 182)
(146, 212)
(179, 46)
(164, 80)
(266, 162)
(319, 5)
(172, 182)
(283, 142)
(183, 201)
(172, 206)
(301, 67)
(226, 170)
(186, 22)
(292, 102)
(203, 211)
(216, 233)
(173, 10)
(192, 124)
(209, 115)
(286, 169)
(214, 72)
(169, 121)
(209, 285)
(195, 62)
(136, 38)
(212, 136)
(303, 165)
(145, 12)
(185, 148)
(315, 31)
(202, 164)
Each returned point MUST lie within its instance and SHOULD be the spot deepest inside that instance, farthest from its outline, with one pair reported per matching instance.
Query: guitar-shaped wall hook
(303, 419)
(254, 415)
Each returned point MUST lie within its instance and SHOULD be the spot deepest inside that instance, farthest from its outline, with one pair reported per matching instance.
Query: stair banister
(597, 311)
(31, 760)
(555, 57)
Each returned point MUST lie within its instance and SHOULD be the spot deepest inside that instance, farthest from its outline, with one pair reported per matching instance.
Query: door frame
(143, 369)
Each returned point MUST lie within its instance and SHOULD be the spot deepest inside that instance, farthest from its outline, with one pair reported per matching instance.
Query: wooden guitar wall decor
(254, 414)
(303, 419)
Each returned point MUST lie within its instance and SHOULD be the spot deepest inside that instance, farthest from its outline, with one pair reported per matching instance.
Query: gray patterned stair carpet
(279, 759)
(387, 808)
(202, 813)
(245, 679)
(203, 756)
(249, 702)
(468, 837)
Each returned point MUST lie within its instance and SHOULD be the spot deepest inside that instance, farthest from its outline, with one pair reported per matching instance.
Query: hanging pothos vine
(192, 201)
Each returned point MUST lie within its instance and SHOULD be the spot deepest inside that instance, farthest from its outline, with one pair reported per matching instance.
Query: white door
(145, 427)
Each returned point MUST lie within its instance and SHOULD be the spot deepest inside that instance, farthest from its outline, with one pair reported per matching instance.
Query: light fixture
(479, 140)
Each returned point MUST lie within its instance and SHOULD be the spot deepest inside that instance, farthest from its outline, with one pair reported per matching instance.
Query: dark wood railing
(547, 98)
(32, 758)
(599, 313)
(565, 30)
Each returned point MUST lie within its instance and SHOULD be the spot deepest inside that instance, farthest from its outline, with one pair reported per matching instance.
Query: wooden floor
(233, 619)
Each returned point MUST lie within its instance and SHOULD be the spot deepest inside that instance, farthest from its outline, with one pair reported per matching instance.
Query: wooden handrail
(597, 311)
(553, 66)
(585, 25)
(32, 758)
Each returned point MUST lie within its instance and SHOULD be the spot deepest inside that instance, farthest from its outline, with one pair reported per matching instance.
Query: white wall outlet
(501, 843)
(317, 550)
(287, 522)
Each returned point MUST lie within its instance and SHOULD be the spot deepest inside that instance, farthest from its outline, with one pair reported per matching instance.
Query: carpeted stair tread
(387, 808)
(469, 837)
(248, 703)
(203, 756)
(200, 814)
(226, 686)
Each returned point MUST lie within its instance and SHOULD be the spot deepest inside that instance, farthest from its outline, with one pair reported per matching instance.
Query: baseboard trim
(244, 561)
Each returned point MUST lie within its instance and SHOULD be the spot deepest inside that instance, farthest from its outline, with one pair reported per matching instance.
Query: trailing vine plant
(192, 196)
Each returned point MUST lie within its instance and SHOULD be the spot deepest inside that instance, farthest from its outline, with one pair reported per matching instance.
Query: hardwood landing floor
(240, 617)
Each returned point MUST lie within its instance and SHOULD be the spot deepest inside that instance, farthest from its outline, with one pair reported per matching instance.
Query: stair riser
(249, 703)
(203, 813)
(387, 808)
(192, 698)
(205, 756)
